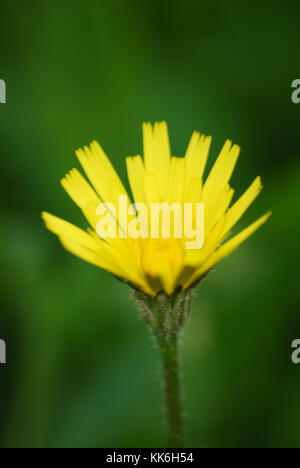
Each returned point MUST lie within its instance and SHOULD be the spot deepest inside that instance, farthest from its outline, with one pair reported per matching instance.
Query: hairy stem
(170, 361)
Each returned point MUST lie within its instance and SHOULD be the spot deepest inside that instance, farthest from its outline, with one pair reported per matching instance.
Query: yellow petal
(176, 180)
(232, 244)
(90, 248)
(100, 172)
(151, 188)
(96, 251)
(216, 211)
(157, 153)
(136, 174)
(243, 203)
(196, 157)
(194, 191)
(82, 194)
(221, 172)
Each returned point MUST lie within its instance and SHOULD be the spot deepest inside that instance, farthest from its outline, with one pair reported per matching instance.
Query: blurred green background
(82, 370)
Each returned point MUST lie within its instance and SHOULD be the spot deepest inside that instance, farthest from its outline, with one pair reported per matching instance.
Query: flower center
(162, 259)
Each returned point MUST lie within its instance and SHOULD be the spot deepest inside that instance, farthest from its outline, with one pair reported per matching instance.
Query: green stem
(170, 361)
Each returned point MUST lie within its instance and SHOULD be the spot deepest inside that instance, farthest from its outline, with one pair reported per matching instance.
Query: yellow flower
(155, 264)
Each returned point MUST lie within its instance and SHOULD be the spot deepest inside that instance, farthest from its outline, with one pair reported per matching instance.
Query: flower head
(161, 262)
